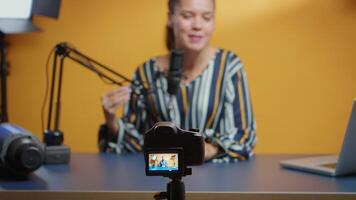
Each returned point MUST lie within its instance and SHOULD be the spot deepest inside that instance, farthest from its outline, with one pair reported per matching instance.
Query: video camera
(169, 150)
(20, 152)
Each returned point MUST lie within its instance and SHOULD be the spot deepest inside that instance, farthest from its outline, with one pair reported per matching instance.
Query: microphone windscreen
(175, 71)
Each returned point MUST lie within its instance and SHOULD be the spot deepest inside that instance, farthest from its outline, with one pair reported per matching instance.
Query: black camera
(169, 150)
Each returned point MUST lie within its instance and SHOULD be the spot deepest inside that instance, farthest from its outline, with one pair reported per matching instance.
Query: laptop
(331, 165)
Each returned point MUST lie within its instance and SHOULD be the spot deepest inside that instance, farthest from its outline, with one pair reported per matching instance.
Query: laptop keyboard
(329, 165)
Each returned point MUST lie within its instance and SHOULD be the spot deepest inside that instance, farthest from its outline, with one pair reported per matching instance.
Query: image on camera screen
(163, 162)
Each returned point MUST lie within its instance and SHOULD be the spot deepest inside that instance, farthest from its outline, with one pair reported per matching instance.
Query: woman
(213, 95)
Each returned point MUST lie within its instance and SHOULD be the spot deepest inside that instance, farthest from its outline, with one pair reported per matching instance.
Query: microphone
(175, 71)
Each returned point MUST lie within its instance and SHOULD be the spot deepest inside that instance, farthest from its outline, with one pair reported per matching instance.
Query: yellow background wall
(300, 56)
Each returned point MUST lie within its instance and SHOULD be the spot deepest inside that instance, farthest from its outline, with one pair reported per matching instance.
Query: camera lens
(24, 155)
(30, 158)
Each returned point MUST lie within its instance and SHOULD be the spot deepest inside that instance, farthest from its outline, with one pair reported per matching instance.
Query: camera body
(169, 150)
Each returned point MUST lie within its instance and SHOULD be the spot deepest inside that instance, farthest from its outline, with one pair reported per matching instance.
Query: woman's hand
(210, 151)
(111, 102)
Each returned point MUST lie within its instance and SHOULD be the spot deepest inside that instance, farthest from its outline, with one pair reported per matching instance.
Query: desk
(108, 176)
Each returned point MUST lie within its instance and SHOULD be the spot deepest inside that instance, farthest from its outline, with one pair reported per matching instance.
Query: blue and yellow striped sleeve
(235, 133)
(134, 119)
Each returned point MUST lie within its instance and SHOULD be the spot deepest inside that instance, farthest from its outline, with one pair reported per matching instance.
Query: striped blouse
(217, 103)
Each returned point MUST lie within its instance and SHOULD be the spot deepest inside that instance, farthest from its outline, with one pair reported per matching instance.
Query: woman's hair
(169, 30)
(170, 39)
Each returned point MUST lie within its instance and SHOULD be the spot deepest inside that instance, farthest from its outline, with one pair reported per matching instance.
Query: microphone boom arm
(62, 51)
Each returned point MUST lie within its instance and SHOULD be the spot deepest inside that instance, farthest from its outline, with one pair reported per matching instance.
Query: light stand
(53, 136)
(3, 76)
(14, 21)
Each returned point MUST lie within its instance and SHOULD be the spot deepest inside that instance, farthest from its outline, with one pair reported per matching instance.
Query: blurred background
(300, 57)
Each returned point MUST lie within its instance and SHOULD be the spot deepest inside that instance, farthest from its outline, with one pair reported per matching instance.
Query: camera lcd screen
(164, 162)
(159, 162)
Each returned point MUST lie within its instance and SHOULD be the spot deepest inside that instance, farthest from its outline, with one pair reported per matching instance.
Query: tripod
(175, 188)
